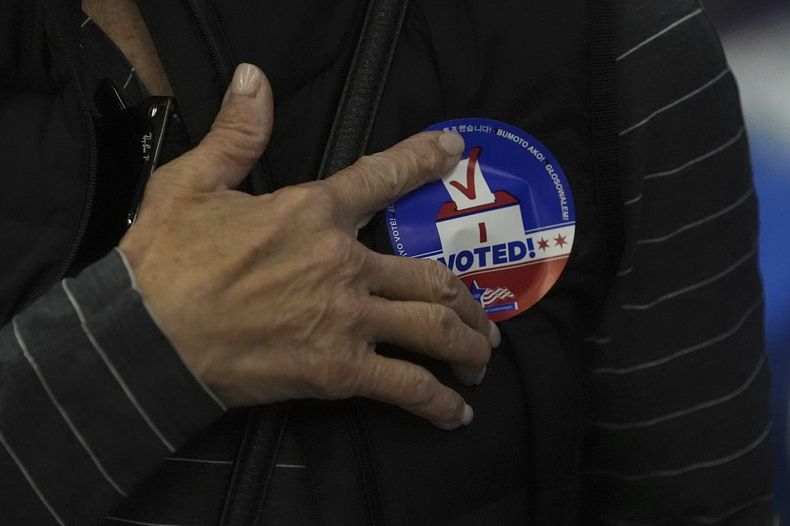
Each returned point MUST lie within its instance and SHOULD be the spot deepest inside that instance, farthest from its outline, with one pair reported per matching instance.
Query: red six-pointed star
(543, 244)
(559, 241)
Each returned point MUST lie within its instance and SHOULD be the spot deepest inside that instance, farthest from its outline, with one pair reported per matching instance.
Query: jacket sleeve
(678, 427)
(92, 398)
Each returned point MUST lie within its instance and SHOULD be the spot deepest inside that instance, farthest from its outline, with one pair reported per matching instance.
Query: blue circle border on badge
(503, 221)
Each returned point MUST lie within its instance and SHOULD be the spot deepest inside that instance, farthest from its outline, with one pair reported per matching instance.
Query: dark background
(756, 37)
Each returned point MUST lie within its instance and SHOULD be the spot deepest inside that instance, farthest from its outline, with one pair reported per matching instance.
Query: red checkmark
(469, 190)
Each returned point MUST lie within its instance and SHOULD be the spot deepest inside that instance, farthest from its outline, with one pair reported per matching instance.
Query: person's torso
(366, 461)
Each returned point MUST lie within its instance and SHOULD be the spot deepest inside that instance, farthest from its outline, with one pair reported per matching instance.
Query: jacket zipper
(358, 445)
(92, 156)
(222, 73)
(92, 143)
(216, 61)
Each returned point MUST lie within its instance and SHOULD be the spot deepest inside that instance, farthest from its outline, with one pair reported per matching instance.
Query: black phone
(129, 144)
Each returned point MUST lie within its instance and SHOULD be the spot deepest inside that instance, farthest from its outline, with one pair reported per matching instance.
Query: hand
(271, 298)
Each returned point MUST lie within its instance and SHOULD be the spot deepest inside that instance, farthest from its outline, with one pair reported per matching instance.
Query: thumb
(237, 138)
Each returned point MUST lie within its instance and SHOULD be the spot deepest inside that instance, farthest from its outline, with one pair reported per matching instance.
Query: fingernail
(467, 375)
(467, 416)
(452, 143)
(246, 80)
(479, 379)
(494, 336)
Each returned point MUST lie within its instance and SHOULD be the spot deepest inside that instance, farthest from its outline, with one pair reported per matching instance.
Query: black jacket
(595, 410)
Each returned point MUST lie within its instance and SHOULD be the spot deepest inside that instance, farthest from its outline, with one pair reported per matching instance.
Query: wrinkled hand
(270, 298)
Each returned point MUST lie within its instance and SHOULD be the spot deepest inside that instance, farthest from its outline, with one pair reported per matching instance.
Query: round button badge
(503, 220)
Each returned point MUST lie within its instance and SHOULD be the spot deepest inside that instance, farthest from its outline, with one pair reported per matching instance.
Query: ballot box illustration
(496, 224)
(476, 216)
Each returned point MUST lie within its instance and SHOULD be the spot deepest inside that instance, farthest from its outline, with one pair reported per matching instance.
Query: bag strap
(356, 113)
(558, 490)
(364, 86)
(253, 469)
(605, 137)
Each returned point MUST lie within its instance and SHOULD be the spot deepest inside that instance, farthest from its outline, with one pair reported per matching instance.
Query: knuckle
(312, 200)
(348, 310)
(297, 196)
(240, 131)
(332, 381)
(447, 322)
(334, 377)
(421, 389)
(233, 146)
(322, 198)
(366, 163)
(457, 342)
(433, 401)
(426, 150)
(443, 283)
(337, 244)
(342, 255)
(446, 335)
(368, 172)
(390, 169)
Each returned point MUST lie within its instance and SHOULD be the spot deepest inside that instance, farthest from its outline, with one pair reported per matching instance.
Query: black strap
(348, 139)
(558, 493)
(605, 138)
(254, 466)
(367, 76)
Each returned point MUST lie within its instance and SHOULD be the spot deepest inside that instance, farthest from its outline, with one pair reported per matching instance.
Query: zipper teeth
(93, 154)
(201, 23)
(356, 444)
(93, 160)
(224, 79)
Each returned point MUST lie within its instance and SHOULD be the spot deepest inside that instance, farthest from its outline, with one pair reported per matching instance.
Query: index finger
(376, 181)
